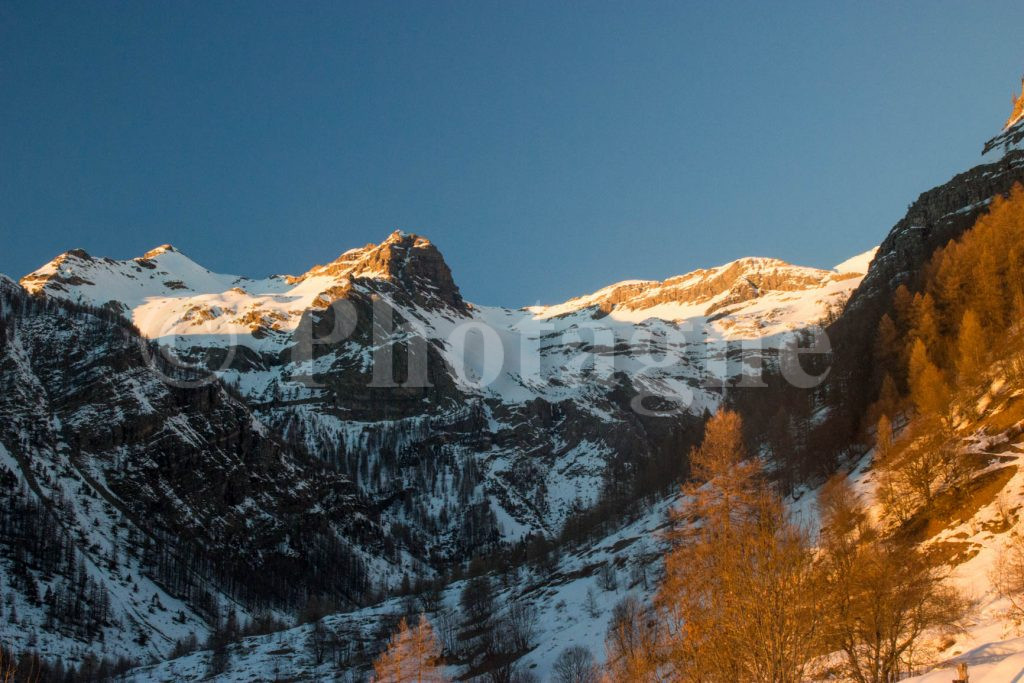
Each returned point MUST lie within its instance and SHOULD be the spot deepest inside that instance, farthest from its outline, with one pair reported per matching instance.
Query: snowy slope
(522, 450)
(991, 642)
(165, 293)
(746, 299)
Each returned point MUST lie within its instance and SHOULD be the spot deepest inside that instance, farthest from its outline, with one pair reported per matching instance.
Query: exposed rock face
(938, 216)
(410, 262)
(942, 214)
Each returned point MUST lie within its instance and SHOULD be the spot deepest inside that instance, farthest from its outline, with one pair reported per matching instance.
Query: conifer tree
(888, 397)
(887, 344)
(926, 324)
(928, 388)
(903, 305)
(722, 447)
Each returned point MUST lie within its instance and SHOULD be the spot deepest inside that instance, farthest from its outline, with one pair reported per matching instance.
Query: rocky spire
(409, 262)
(1018, 109)
(1012, 136)
(415, 264)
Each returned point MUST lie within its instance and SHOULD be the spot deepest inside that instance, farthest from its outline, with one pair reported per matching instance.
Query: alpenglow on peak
(1018, 109)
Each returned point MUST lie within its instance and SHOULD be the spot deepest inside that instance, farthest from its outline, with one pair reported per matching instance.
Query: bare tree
(638, 574)
(631, 642)
(317, 641)
(575, 664)
(590, 604)
(926, 462)
(521, 622)
(447, 631)
(431, 598)
(607, 577)
(477, 599)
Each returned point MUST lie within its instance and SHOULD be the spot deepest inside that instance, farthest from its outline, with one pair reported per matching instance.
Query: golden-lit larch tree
(412, 656)
(722, 447)
(926, 324)
(631, 646)
(972, 346)
(928, 387)
(881, 598)
(736, 602)
(887, 345)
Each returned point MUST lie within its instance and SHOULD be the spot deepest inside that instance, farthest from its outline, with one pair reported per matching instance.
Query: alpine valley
(211, 477)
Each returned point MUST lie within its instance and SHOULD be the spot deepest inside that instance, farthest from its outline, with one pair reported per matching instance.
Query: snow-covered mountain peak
(725, 289)
(167, 293)
(410, 263)
(162, 249)
(77, 276)
(382, 261)
(857, 264)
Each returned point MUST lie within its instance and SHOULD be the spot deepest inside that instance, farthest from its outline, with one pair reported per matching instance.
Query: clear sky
(547, 148)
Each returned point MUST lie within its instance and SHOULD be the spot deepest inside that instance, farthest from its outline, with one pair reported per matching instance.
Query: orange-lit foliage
(722, 447)
(1018, 107)
(11, 671)
(982, 271)
(973, 294)
(412, 656)
(737, 600)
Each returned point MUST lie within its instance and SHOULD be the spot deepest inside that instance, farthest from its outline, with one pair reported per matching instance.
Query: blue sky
(547, 148)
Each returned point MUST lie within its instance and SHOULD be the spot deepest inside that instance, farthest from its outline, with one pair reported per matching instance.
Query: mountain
(166, 293)
(533, 436)
(750, 298)
(186, 399)
(937, 216)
